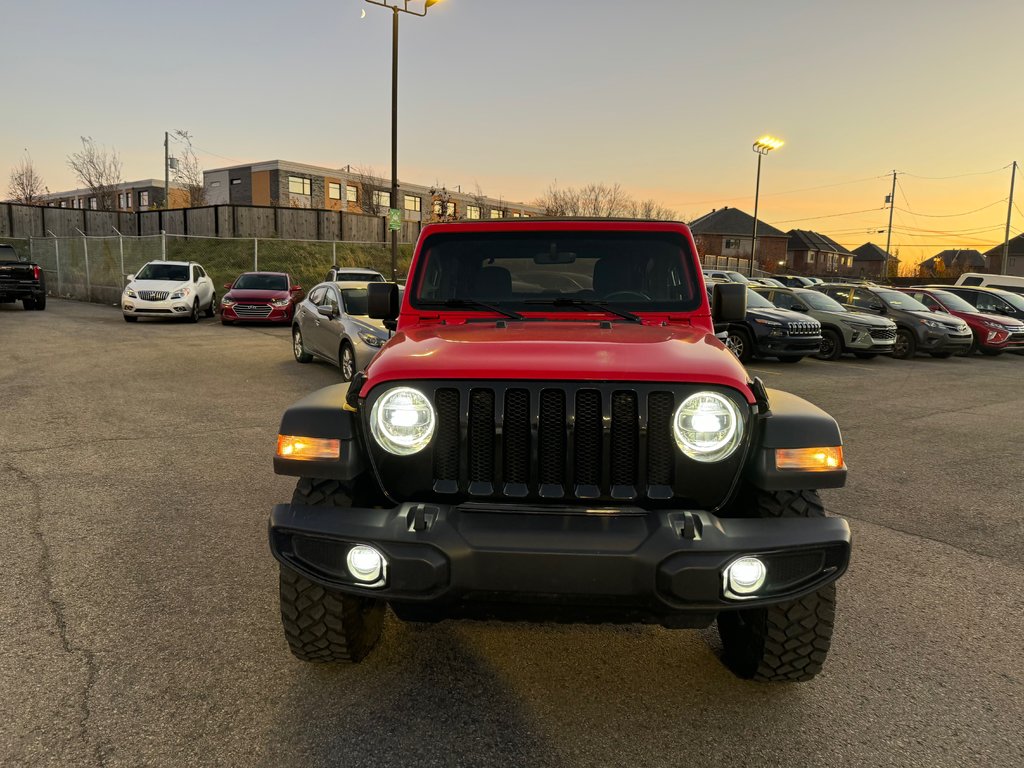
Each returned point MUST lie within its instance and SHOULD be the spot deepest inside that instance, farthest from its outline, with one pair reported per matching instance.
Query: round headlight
(707, 426)
(402, 421)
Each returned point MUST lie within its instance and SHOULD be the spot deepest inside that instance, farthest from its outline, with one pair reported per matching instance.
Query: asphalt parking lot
(140, 623)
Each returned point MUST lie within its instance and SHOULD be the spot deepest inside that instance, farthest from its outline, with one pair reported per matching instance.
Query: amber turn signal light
(810, 459)
(307, 448)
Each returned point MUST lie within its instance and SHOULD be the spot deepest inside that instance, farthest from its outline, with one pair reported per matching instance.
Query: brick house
(727, 232)
(812, 253)
(1015, 262)
(869, 261)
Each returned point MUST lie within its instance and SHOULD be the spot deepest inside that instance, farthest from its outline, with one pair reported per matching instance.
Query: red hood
(558, 351)
(254, 294)
(977, 318)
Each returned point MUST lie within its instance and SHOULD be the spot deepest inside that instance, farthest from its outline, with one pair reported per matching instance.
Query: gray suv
(865, 335)
(917, 328)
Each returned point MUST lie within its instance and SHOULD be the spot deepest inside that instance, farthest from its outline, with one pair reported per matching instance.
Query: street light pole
(395, 10)
(762, 147)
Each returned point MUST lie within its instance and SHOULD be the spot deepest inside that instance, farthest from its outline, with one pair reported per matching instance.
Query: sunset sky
(663, 97)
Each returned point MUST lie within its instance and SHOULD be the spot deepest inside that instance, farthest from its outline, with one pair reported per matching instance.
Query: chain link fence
(97, 268)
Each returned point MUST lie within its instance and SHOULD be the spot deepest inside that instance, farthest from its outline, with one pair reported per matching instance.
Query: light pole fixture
(762, 147)
(395, 212)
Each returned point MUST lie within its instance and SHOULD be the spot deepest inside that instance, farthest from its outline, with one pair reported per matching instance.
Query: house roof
(1016, 248)
(806, 240)
(871, 252)
(961, 256)
(732, 221)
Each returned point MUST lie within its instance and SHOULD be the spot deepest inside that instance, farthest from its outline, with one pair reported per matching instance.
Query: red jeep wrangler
(555, 433)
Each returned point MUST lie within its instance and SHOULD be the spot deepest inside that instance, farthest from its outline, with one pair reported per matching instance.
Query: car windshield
(1012, 298)
(363, 277)
(820, 301)
(254, 281)
(161, 271)
(897, 300)
(355, 301)
(953, 302)
(755, 299)
(576, 270)
(737, 277)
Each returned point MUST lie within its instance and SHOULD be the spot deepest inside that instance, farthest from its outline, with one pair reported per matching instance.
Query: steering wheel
(626, 295)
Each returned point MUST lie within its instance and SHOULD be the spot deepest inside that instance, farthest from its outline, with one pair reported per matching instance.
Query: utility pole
(888, 237)
(1009, 210)
(167, 171)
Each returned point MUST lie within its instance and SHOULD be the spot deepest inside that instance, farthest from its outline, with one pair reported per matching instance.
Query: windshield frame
(803, 293)
(186, 270)
(882, 294)
(263, 275)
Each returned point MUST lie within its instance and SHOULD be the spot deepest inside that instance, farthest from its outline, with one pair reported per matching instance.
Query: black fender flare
(324, 414)
(792, 422)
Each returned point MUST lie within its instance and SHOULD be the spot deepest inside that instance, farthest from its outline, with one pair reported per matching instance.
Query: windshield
(254, 281)
(897, 300)
(953, 302)
(159, 271)
(820, 301)
(361, 277)
(355, 301)
(755, 299)
(1014, 299)
(736, 277)
(637, 271)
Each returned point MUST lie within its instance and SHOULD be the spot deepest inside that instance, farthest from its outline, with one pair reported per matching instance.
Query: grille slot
(587, 442)
(659, 438)
(446, 454)
(551, 438)
(625, 439)
(517, 436)
(481, 437)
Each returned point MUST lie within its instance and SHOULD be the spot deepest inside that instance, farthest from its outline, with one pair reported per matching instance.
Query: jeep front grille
(804, 329)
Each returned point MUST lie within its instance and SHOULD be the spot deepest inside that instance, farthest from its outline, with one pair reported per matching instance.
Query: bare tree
(189, 172)
(98, 169)
(369, 183)
(442, 207)
(26, 186)
(650, 209)
(600, 200)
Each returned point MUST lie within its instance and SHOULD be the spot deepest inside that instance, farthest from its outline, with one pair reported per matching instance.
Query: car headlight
(371, 340)
(281, 302)
(936, 324)
(227, 302)
(707, 426)
(181, 293)
(769, 323)
(130, 293)
(402, 421)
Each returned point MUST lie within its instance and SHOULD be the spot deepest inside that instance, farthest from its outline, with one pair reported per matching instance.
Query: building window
(496, 213)
(382, 199)
(334, 190)
(120, 199)
(516, 215)
(810, 257)
(143, 199)
(128, 199)
(351, 194)
(63, 203)
(472, 211)
(412, 203)
(92, 203)
(235, 181)
(729, 243)
(298, 185)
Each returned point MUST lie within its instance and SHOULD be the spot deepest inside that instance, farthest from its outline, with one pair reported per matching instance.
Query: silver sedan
(331, 323)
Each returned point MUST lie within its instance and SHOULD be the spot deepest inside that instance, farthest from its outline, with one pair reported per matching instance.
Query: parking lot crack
(85, 656)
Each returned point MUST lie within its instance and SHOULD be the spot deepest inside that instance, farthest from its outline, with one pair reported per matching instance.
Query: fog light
(365, 563)
(745, 575)
(307, 448)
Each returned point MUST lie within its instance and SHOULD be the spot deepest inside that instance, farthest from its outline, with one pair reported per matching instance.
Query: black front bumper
(445, 559)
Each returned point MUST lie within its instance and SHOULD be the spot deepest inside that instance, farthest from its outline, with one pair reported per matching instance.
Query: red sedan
(263, 297)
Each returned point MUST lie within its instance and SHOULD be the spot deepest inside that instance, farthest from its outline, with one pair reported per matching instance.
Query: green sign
(394, 218)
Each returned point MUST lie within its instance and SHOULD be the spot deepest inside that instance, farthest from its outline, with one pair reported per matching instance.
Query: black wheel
(347, 361)
(131, 319)
(212, 309)
(865, 355)
(193, 316)
(321, 624)
(740, 344)
(989, 351)
(796, 359)
(905, 346)
(831, 345)
(28, 304)
(298, 349)
(787, 642)
(941, 355)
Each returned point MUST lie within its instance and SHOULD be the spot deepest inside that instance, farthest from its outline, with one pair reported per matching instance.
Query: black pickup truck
(21, 280)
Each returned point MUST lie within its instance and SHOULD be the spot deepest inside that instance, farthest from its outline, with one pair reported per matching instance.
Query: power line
(956, 176)
(831, 215)
(950, 215)
(784, 192)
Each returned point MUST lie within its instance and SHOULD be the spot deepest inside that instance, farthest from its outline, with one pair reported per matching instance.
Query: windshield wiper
(472, 304)
(586, 304)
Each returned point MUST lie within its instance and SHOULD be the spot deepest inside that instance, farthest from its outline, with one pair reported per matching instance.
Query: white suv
(169, 289)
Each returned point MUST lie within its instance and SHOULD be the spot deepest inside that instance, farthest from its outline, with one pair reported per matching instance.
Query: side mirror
(877, 308)
(729, 302)
(130, 278)
(228, 285)
(382, 301)
(327, 310)
(296, 288)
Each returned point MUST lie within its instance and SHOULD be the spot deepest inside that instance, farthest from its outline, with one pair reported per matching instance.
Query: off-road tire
(212, 309)
(906, 345)
(322, 625)
(831, 345)
(787, 642)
